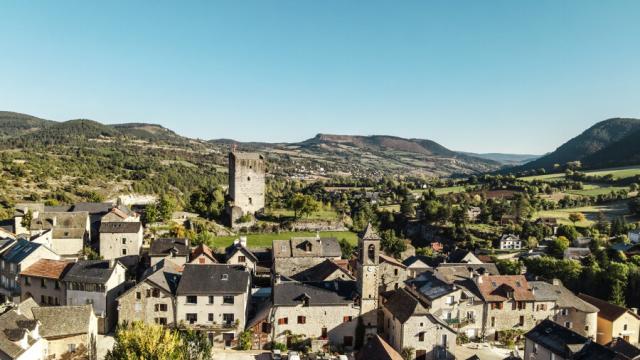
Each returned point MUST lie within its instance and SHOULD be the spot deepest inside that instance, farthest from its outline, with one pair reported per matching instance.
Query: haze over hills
(609, 142)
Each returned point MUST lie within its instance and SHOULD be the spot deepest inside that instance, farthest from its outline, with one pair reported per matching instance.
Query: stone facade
(44, 291)
(428, 339)
(147, 303)
(247, 181)
(117, 244)
(392, 274)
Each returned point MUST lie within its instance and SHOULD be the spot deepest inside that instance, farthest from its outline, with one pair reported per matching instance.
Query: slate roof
(378, 349)
(321, 272)
(93, 208)
(457, 255)
(297, 247)
(608, 310)
(564, 298)
(291, 293)
(68, 233)
(369, 233)
(411, 261)
(13, 326)
(89, 271)
(198, 279)
(5, 244)
(166, 277)
(431, 287)
(20, 251)
(403, 305)
(68, 220)
(449, 272)
(132, 227)
(164, 246)
(568, 344)
(623, 348)
(392, 261)
(233, 248)
(46, 268)
(496, 287)
(63, 321)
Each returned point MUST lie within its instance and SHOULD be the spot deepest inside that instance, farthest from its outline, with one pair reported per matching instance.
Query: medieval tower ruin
(246, 183)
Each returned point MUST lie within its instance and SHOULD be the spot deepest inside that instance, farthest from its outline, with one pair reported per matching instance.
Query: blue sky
(483, 76)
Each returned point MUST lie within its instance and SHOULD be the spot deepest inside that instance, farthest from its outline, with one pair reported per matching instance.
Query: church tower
(368, 277)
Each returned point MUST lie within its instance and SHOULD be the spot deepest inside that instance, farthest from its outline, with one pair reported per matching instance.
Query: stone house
(415, 265)
(614, 321)
(508, 303)
(119, 239)
(557, 303)
(550, 222)
(408, 323)
(69, 231)
(378, 349)
(42, 281)
(202, 254)
(120, 214)
(99, 283)
(214, 299)
(463, 257)
(510, 242)
(324, 312)
(298, 254)
(238, 254)
(20, 337)
(548, 340)
(260, 325)
(327, 270)
(175, 250)
(392, 273)
(67, 329)
(20, 255)
(153, 299)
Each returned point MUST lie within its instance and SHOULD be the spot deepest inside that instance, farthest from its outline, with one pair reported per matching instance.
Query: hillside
(591, 141)
(626, 151)
(15, 124)
(507, 159)
(149, 132)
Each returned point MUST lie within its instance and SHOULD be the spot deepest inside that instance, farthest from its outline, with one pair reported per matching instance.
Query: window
(163, 307)
(57, 285)
(155, 293)
(302, 320)
(347, 341)
(347, 319)
(565, 312)
(624, 327)
(242, 259)
(192, 318)
(228, 299)
(324, 333)
(248, 178)
(138, 295)
(395, 272)
(124, 251)
(567, 324)
(210, 317)
(43, 283)
(450, 300)
(371, 253)
(283, 321)
(224, 277)
(586, 328)
(192, 299)
(27, 281)
(71, 348)
(421, 336)
(148, 292)
(200, 260)
(42, 300)
(250, 201)
(496, 305)
(493, 321)
(522, 305)
(161, 320)
(521, 320)
(210, 300)
(124, 241)
(535, 348)
(228, 318)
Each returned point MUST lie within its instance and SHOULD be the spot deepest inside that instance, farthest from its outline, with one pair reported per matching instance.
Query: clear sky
(483, 76)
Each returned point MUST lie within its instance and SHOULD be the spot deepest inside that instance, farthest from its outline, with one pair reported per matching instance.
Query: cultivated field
(264, 240)
(611, 211)
(617, 173)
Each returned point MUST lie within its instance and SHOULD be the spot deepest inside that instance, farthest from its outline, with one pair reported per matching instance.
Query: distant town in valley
(129, 241)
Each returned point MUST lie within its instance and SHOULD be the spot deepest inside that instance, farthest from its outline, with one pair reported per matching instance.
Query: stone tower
(368, 278)
(246, 183)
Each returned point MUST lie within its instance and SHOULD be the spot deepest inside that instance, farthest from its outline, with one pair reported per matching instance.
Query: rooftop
(62, 321)
(46, 268)
(502, 287)
(566, 343)
(378, 349)
(608, 310)
(20, 251)
(307, 247)
(209, 279)
(89, 271)
(564, 298)
(165, 246)
(292, 293)
(120, 227)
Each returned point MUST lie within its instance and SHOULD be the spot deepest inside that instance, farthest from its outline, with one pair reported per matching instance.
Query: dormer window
(224, 277)
(308, 247)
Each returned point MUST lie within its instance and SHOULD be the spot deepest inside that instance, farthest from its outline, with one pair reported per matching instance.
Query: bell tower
(368, 277)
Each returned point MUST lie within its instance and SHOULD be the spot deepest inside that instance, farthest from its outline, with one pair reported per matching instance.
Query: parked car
(276, 354)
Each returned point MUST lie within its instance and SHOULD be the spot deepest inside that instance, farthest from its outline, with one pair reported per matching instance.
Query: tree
(407, 353)
(27, 219)
(165, 207)
(391, 244)
(245, 340)
(303, 205)
(558, 246)
(568, 231)
(634, 206)
(346, 248)
(576, 217)
(509, 267)
(406, 208)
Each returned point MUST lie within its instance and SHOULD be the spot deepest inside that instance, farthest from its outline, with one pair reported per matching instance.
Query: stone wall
(247, 183)
(130, 308)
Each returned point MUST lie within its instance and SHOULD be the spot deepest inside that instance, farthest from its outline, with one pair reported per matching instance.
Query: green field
(611, 211)
(264, 240)
(595, 190)
(618, 173)
(442, 191)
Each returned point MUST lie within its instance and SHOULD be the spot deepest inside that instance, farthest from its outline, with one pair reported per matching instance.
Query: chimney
(634, 310)
(471, 272)
(479, 279)
(556, 282)
(54, 221)
(277, 279)
(243, 241)
(112, 263)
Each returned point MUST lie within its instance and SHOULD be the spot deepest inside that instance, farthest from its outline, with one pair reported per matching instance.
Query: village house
(378, 349)
(557, 303)
(409, 324)
(576, 253)
(99, 283)
(238, 254)
(69, 230)
(614, 321)
(461, 256)
(550, 222)
(20, 255)
(42, 281)
(416, 264)
(20, 337)
(510, 242)
(327, 270)
(153, 299)
(119, 239)
(175, 250)
(440, 298)
(298, 254)
(120, 214)
(624, 349)
(202, 254)
(549, 340)
(324, 312)
(392, 273)
(67, 329)
(214, 299)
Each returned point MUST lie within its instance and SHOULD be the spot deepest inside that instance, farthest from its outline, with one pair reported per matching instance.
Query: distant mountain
(593, 140)
(625, 151)
(382, 143)
(15, 124)
(70, 131)
(145, 131)
(507, 159)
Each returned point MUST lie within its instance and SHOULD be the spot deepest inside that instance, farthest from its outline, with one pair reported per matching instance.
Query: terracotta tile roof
(608, 310)
(45, 268)
(498, 287)
(202, 249)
